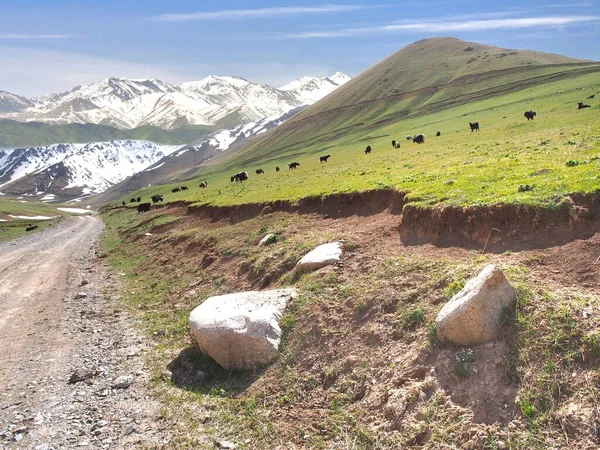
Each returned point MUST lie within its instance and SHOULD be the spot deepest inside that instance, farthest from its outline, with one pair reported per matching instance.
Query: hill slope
(424, 77)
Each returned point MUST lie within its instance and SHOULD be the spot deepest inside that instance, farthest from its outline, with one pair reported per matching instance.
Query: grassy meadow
(510, 160)
(11, 228)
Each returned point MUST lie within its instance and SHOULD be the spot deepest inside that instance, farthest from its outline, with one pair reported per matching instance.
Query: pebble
(80, 295)
(122, 382)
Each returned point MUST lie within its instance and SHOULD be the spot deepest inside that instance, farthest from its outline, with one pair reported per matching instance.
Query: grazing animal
(157, 198)
(529, 114)
(184, 188)
(394, 143)
(175, 190)
(132, 200)
(259, 171)
(582, 105)
(368, 149)
(293, 165)
(241, 176)
(324, 158)
(123, 202)
(474, 126)
(409, 138)
(277, 169)
(591, 96)
(397, 145)
(438, 134)
(419, 138)
(203, 185)
(31, 228)
(139, 199)
(233, 178)
(143, 207)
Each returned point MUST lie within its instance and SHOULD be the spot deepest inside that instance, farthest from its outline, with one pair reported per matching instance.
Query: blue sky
(51, 46)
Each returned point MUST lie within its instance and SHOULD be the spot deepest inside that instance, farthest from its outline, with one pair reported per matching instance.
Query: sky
(51, 46)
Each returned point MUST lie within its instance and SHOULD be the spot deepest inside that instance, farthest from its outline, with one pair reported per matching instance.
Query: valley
(360, 363)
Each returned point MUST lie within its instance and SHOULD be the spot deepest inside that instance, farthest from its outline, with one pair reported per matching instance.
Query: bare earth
(60, 311)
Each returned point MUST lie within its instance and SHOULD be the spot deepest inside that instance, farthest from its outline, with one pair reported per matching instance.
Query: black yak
(529, 114)
(324, 158)
(293, 165)
(474, 126)
(143, 207)
(419, 138)
(368, 149)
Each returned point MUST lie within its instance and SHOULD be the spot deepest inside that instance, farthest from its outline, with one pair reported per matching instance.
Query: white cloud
(228, 14)
(22, 36)
(34, 72)
(444, 26)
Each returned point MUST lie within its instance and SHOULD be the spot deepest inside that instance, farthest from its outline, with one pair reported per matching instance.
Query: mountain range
(123, 103)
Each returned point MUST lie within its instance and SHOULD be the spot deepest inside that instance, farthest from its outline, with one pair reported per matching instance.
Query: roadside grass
(458, 168)
(349, 339)
(14, 228)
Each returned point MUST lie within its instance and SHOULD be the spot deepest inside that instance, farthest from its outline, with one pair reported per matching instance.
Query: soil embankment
(496, 227)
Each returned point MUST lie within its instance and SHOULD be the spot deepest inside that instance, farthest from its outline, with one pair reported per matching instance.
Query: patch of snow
(74, 210)
(32, 217)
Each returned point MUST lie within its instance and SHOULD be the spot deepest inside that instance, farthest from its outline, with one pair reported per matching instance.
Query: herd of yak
(243, 176)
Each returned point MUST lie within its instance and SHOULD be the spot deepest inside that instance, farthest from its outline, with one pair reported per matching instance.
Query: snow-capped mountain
(126, 103)
(310, 90)
(76, 169)
(13, 103)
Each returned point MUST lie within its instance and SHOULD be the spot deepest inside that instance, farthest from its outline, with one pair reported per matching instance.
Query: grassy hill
(430, 86)
(15, 134)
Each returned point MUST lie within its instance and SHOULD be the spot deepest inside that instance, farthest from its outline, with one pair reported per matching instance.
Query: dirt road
(59, 312)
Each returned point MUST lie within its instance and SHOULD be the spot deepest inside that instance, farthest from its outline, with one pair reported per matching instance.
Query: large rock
(474, 315)
(323, 255)
(240, 331)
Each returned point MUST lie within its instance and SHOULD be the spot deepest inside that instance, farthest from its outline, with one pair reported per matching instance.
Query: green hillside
(459, 167)
(15, 134)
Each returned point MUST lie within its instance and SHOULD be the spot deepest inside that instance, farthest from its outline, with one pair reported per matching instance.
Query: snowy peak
(76, 169)
(129, 103)
(310, 90)
(107, 91)
(13, 103)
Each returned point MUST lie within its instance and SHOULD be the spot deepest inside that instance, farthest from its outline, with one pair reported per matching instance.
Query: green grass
(458, 168)
(15, 134)
(14, 228)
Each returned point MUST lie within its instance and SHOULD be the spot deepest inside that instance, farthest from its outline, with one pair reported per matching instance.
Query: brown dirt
(402, 377)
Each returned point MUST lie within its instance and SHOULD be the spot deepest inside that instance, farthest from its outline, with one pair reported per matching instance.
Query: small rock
(323, 255)
(225, 445)
(81, 374)
(130, 429)
(167, 375)
(268, 239)
(80, 295)
(84, 282)
(123, 382)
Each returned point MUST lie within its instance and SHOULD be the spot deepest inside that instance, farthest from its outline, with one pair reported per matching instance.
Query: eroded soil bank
(498, 228)
(359, 364)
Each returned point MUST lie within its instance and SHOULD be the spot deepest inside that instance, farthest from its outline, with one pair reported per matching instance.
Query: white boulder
(240, 331)
(323, 255)
(474, 315)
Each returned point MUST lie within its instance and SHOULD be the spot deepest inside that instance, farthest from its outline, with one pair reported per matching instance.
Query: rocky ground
(72, 370)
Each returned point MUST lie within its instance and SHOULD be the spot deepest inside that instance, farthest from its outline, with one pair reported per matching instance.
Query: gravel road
(60, 313)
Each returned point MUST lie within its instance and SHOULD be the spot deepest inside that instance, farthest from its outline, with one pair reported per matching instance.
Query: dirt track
(47, 330)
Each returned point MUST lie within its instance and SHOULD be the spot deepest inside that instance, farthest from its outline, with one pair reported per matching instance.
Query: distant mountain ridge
(128, 103)
(73, 170)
